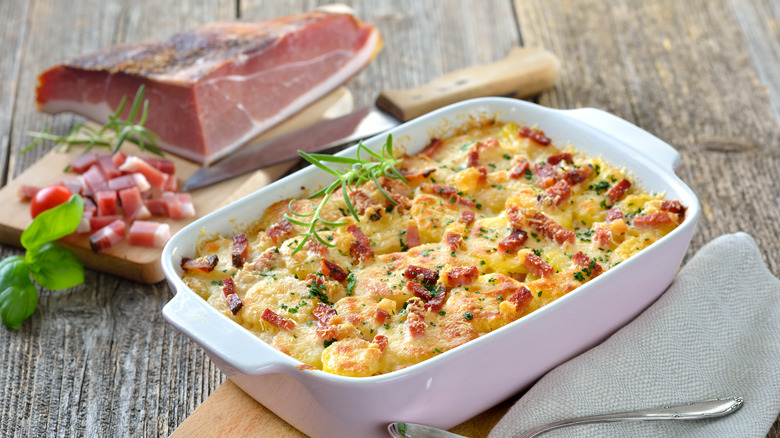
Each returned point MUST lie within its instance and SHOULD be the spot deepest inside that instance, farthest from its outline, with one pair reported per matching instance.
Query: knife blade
(524, 72)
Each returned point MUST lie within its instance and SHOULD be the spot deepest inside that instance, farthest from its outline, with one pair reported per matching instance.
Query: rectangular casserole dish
(452, 387)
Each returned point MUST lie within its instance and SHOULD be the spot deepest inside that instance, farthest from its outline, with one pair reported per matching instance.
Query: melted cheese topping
(545, 221)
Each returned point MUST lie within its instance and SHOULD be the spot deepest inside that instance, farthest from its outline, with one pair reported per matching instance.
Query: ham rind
(149, 234)
(213, 88)
(108, 236)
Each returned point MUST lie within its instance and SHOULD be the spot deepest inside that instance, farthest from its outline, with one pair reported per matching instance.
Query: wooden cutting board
(139, 263)
(229, 411)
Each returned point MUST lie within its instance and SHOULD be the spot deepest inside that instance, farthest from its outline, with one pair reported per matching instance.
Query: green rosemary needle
(113, 134)
(357, 171)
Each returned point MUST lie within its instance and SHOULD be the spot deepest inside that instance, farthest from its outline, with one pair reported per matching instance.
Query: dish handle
(633, 136)
(231, 347)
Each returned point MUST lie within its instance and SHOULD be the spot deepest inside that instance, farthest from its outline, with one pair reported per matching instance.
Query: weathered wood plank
(13, 36)
(699, 74)
(96, 360)
(758, 23)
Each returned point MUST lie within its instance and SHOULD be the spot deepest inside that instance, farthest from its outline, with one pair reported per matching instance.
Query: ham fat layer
(215, 87)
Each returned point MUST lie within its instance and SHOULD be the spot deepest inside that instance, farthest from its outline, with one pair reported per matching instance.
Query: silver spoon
(689, 411)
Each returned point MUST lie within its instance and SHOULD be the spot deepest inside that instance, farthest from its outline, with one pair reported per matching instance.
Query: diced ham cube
(161, 164)
(84, 226)
(94, 180)
(108, 236)
(178, 205)
(412, 235)
(133, 204)
(148, 233)
(89, 205)
(75, 184)
(106, 202)
(172, 184)
(172, 205)
(187, 206)
(119, 158)
(107, 166)
(134, 164)
(156, 206)
(130, 180)
(98, 222)
(83, 162)
(279, 321)
(26, 192)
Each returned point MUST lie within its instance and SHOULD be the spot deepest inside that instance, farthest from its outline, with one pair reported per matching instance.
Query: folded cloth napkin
(714, 333)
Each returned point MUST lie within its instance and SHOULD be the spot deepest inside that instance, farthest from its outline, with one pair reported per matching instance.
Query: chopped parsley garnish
(351, 279)
(600, 187)
(317, 292)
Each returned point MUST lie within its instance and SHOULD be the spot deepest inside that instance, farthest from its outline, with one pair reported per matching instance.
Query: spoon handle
(689, 411)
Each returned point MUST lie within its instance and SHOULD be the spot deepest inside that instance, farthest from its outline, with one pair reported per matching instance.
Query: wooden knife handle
(527, 71)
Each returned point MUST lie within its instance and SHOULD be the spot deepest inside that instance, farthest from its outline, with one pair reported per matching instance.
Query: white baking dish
(452, 387)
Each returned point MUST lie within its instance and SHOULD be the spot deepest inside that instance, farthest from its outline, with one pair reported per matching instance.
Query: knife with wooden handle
(524, 72)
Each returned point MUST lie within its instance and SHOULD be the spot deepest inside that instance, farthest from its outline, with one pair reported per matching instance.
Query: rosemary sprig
(113, 134)
(357, 171)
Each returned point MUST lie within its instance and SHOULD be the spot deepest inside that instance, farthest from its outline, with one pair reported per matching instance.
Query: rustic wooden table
(98, 360)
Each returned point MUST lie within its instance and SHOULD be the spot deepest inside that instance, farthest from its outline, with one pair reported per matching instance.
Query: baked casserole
(474, 232)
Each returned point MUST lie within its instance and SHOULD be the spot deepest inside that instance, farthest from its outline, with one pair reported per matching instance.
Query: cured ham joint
(213, 88)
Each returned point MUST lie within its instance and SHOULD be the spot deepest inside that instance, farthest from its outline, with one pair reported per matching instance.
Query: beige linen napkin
(714, 333)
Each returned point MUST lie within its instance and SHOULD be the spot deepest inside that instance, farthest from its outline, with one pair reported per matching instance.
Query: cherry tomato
(48, 197)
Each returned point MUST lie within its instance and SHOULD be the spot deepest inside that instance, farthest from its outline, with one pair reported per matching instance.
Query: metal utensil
(689, 411)
(524, 72)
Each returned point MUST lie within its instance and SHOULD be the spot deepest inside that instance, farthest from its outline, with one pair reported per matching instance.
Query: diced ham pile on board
(213, 88)
(121, 194)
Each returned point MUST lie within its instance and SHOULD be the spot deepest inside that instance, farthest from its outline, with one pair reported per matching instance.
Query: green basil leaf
(54, 267)
(18, 296)
(54, 223)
